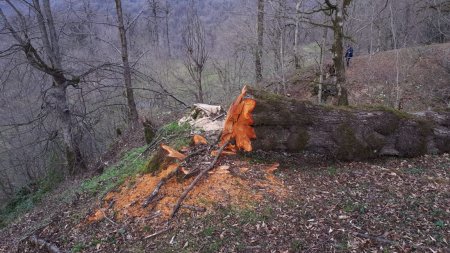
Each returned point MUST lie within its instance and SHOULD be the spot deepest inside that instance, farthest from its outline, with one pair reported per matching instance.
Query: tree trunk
(155, 26)
(132, 111)
(338, 48)
(276, 123)
(259, 47)
(57, 97)
(322, 54)
(167, 28)
(296, 31)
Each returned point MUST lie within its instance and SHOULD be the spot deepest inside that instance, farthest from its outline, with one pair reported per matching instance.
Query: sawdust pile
(235, 183)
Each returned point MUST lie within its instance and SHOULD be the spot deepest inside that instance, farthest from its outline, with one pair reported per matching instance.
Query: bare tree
(194, 43)
(166, 18)
(260, 42)
(296, 33)
(132, 111)
(397, 67)
(49, 61)
(154, 22)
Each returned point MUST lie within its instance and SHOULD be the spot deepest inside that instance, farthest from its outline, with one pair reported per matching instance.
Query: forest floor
(424, 77)
(385, 205)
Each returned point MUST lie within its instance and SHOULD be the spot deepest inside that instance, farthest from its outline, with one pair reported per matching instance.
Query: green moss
(149, 134)
(298, 140)
(349, 147)
(375, 142)
(156, 162)
(425, 129)
(71, 160)
(398, 113)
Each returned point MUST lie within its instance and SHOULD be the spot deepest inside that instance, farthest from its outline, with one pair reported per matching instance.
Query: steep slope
(423, 74)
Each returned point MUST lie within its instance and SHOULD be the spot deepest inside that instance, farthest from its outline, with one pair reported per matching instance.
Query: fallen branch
(52, 248)
(218, 117)
(193, 208)
(157, 233)
(155, 192)
(191, 186)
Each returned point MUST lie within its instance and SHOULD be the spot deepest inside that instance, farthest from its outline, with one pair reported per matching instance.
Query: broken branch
(155, 192)
(191, 186)
(52, 248)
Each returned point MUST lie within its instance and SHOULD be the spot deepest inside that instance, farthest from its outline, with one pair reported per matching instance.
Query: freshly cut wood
(198, 139)
(172, 152)
(239, 121)
(262, 120)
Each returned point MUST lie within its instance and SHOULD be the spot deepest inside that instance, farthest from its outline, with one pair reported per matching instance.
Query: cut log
(260, 120)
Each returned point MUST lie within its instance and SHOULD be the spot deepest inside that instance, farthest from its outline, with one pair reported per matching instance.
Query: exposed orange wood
(238, 123)
(198, 139)
(173, 153)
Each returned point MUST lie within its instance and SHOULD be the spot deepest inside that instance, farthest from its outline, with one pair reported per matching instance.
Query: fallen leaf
(273, 168)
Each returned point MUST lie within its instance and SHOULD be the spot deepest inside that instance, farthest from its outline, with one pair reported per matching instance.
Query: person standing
(349, 54)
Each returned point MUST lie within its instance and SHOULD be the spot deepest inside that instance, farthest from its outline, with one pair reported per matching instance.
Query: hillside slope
(327, 206)
(424, 78)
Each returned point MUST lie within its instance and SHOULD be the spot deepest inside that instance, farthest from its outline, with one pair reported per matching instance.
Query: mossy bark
(347, 133)
(149, 131)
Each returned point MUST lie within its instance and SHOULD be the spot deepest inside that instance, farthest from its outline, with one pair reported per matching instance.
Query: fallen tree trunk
(266, 121)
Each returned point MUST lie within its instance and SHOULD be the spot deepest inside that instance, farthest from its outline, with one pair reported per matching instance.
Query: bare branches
(194, 43)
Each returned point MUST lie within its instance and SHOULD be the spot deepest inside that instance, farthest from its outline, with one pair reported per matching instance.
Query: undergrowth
(27, 197)
(176, 135)
(132, 163)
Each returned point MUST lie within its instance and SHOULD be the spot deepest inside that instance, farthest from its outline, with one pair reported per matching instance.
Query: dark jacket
(349, 52)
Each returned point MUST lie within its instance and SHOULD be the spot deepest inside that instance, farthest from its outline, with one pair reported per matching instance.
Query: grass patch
(351, 206)
(257, 158)
(79, 247)
(332, 171)
(209, 231)
(132, 163)
(415, 171)
(177, 135)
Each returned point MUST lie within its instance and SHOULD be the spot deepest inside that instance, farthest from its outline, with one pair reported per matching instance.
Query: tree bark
(58, 99)
(347, 133)
(339, 12)
(132, 111)
(167, 10)
(296, 31)
(259, 46)
(322, 54)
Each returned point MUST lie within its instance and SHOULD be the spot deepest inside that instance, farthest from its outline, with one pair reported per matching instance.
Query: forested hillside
(130, 115)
